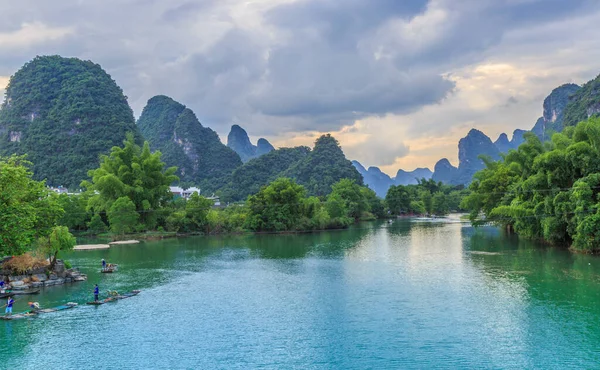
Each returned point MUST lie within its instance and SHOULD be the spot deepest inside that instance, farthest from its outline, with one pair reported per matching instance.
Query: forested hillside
(63, 113)
(202, 159)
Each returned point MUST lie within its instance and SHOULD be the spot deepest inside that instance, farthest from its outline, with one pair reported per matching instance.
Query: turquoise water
(414, 294)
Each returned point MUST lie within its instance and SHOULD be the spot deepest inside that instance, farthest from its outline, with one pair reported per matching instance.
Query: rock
(41, 277)
(52, 276)
(59, 267)
(80, 278)
(68, 280)
(37, 284)
(18, 285)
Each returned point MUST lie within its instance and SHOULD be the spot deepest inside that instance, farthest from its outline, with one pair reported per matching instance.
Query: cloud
(31, 34)
(424, 71)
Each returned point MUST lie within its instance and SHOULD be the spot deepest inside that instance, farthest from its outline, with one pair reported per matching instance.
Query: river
(413, 294)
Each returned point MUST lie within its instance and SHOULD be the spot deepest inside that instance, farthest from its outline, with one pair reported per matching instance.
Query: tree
(276, 207)
(59, 239)
(122, 216)
(426, 198)
(439, 204)
(197, 208)
(547, 191)
(350, 193)
(76, 215)
(28, 210)
(397, 199)
(96, 225)
(135, 173)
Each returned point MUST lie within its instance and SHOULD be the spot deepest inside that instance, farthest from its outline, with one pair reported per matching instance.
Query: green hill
(583, 104)
(202, 159)
(316, 170)
(324, 166)
(261, 171)
(63, 113)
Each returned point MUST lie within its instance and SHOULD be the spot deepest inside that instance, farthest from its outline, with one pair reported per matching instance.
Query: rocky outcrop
(41, 277)
(470, 148)
(583, 104)
(239, 141)
(412, 177)
(502, 143)
(554, 110)
(263, 147)
(444, 171)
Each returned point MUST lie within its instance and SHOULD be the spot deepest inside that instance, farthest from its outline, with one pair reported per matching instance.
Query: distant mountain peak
(239, 141)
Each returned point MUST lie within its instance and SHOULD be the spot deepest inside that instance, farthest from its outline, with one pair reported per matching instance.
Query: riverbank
(41, 277)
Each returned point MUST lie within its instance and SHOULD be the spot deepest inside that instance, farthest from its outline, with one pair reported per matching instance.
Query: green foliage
(350, 194)
(135, 173)
(439, 204)
(548, 192)
(122, 216)
(59, 239)
(76, 215)
(427, 197)
(96, 225)
(258, 172)
(398, 200)
(276, 207)
(583, 104)
(28, 210)
(316, 170)
(197, 209)
(63, 113)
(202, 159)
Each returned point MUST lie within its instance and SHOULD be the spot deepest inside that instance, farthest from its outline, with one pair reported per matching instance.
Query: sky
(397, 82)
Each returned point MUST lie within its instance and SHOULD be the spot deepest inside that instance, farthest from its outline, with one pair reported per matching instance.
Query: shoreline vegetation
(547, 191)
(128, 197)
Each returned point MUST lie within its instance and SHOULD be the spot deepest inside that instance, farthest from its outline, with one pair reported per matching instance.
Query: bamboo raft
(115, 298)
(30, 314)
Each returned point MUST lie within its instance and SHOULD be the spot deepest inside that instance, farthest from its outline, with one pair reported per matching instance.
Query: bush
(24, 263)
(68, 265)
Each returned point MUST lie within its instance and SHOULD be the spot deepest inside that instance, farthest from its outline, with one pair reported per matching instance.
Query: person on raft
(96, 292)
(35, 306)
(103, 264)
(9, 306)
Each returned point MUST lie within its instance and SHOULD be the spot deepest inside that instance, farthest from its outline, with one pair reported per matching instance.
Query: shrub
(25, 262)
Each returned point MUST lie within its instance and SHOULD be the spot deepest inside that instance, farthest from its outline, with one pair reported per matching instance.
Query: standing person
(96, 292)
(9, 306)
(103, 264)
